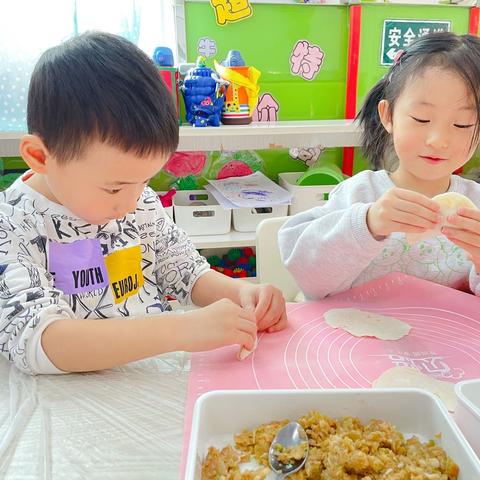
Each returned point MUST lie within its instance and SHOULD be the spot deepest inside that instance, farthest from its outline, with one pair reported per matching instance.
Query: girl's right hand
(217, 325)
(400, 210)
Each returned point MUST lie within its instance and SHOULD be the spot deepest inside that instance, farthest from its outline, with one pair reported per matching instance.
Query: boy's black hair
(457, 53)
(98, 86)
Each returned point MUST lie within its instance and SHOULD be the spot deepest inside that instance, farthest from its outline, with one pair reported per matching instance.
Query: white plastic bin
(306, 197)
(220, 414)
(467, 414)
(247, 219)
(198, 213)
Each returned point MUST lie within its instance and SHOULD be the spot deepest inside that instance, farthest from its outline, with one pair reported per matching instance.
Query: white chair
(270, 268)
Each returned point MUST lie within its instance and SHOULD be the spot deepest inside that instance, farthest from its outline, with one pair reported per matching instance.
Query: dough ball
(449, 203)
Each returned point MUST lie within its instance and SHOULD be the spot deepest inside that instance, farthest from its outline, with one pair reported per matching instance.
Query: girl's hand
(399, 210)
(465, 232)
(268, 305)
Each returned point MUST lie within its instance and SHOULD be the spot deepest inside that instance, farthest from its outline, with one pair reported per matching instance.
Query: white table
(123, 423)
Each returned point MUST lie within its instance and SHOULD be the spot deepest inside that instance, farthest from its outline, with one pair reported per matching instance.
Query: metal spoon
(291, 435)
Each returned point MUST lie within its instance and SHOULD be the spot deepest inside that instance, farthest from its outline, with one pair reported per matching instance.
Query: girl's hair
(458, 53)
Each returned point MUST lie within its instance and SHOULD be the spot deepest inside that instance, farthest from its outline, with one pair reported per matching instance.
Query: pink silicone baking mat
(444, 342)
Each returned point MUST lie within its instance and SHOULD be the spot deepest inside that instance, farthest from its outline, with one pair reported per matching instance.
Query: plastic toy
(163, 56)
(203, 94)
(242, 94)
(167, 198)
(236, 263)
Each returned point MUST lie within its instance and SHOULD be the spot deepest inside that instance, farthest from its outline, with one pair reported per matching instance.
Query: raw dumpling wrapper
(449, 203)
(367, 324)
(405, 377)
(245, 352)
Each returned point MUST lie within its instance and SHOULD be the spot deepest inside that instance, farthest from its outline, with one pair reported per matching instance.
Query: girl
(425, 115)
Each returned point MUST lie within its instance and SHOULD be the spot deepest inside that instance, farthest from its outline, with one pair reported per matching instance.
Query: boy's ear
(385, 115)
(34, 152)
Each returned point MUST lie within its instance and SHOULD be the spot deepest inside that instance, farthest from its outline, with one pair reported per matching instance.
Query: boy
(86, 246)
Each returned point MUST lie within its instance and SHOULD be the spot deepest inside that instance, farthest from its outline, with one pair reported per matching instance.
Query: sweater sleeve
(327, 247)
(28, 301)
(474, 281)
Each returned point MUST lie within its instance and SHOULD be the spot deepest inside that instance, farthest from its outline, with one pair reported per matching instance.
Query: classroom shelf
(227, 240)
(311, 133)
(263, 135)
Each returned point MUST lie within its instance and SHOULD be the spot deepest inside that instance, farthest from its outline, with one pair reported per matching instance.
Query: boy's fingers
(280, 325)
(247, 314)
(272, 316)
(247, 326)
(246, 340)
(263, 304)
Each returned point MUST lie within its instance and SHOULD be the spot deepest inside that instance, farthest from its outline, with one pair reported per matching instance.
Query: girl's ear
(385, 115)
(34, 152)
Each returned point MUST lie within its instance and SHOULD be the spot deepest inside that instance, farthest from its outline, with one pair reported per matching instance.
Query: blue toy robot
(204, 99)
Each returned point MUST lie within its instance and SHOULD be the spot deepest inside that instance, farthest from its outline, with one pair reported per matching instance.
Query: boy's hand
(268, 305)
(219, 324)
(399, 210)
(465, 232)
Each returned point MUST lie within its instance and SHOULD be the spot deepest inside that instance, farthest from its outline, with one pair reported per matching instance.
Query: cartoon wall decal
(207, 47)
(306, 59)
(235, 168)
(306, 155)
(267, 109)
(182, 164)
(227, 11)
(234, 164)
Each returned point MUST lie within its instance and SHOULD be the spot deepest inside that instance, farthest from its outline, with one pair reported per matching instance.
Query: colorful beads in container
(237, 263)
(203, 96)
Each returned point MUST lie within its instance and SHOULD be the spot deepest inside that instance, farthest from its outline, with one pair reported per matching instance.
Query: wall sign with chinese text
(399, 34)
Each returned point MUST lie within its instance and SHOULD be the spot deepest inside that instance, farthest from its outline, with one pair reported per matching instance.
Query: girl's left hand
(464, 232)
(268, 304)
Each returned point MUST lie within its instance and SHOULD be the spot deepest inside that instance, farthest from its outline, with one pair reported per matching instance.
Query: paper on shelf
(255, 190)
(223, 202)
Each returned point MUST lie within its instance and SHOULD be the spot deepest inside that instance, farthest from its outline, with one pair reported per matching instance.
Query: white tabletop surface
(124, 423)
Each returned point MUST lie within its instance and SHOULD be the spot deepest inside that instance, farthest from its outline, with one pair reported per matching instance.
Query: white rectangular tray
(220, 414)
(467, 414)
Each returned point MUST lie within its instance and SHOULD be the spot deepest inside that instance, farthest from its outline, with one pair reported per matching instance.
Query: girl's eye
(464, 126)
(419, 120)
(112, 192)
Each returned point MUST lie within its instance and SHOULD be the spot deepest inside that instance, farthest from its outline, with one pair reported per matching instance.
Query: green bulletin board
(266, 41)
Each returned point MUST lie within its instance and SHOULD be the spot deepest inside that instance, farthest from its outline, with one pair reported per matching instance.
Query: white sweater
(329, 249)
(54, 266)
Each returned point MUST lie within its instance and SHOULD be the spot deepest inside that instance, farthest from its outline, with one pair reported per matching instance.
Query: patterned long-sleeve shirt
(54, 266)
(329, 249)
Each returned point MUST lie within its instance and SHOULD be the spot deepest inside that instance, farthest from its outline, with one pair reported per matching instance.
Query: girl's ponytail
(375, 138)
